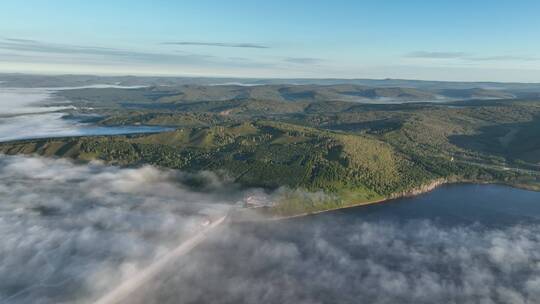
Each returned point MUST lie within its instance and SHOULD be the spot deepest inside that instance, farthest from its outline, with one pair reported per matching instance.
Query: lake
(457, 244)
(493, 206)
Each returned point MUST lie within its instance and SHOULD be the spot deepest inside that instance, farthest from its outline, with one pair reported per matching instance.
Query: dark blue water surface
(493, 206)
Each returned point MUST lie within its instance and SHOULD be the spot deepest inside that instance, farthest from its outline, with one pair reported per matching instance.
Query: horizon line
(257, 78)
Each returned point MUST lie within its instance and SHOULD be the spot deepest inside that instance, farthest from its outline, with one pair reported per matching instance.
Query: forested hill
(351, 168)
(353, 152)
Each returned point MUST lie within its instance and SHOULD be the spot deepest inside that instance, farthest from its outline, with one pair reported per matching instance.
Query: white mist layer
(73, 232)
(49, 125)
(26, 101)
(124, 292)
(336, 261)
(26, 113)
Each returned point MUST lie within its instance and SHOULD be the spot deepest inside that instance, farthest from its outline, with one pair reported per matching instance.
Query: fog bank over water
(27, 113)
(462, 244)
(72, 232)
(25, 101)
(56, 125)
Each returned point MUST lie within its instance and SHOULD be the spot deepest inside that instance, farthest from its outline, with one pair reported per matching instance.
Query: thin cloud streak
(23, 45)
(505, 58)
(39, 51)
(217, 44)
(20, 40)
(303, 60)
(467, 57)
(436, 55)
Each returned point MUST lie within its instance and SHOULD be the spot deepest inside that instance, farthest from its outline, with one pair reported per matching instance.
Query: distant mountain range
(350, 90)
(296, 94)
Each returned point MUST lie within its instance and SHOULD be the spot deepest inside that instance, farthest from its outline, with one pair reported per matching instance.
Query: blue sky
(493, 40)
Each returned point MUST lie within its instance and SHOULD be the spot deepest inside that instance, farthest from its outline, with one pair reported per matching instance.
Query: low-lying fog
(73, 232)
(27, 113)
(459, 244)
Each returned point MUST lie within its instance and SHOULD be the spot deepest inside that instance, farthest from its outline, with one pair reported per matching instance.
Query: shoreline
(405, 194)
(426, 188)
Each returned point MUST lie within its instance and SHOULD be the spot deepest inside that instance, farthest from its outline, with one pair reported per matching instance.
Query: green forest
(353, 152)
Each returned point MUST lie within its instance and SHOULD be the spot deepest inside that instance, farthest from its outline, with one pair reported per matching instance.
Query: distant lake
(29, 127)
(25, 113)
(457, 244)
